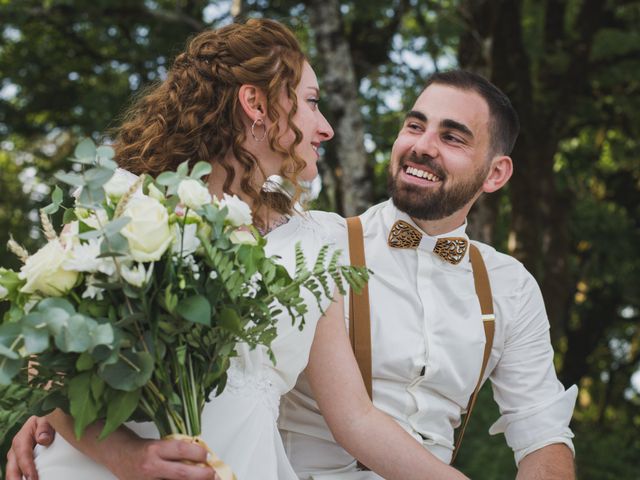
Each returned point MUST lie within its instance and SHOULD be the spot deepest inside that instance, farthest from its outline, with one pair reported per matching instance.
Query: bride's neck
(216, 181)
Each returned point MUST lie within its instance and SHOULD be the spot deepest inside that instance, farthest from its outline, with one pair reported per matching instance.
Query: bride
(244, 98)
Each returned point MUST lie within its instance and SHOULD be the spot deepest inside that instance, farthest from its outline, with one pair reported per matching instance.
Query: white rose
(148, 231)
(137, 275)
(193, 194)
(120, 183)
(44, 271)
(3, 292)
(242, 237)
(239, 212)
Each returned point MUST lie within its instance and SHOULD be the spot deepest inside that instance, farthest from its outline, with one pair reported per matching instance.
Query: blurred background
(570, 213)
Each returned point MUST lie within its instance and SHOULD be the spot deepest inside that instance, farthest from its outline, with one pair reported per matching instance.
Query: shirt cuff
(537, 427)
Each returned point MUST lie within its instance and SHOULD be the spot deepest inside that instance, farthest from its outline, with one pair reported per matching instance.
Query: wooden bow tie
(450, 249)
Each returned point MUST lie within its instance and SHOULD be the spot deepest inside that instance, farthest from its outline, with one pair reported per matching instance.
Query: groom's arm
(553, 462)
(365, 432)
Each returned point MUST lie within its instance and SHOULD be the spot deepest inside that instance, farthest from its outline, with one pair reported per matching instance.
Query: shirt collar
(391, 214)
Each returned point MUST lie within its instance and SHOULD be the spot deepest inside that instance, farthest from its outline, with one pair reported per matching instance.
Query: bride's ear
(253, 102)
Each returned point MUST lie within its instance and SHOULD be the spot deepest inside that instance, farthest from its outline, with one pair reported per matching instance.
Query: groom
(426, 329)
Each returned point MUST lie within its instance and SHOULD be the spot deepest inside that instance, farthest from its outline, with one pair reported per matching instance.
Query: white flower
(3, 292)
(84, 258)
(69, 234)
(148, 231)
(193, 194)
(92, 291)
(136, 275)
(242, 237)
(44, 273)
(213, 274)
(188, 242)
(239, 212)
(120, 183)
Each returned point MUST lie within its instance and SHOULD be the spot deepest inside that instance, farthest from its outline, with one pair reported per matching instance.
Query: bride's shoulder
(328, 225)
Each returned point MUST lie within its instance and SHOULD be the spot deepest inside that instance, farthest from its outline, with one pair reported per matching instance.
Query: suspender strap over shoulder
(359, 322)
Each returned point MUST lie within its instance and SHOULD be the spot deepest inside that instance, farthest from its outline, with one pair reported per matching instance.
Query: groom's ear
(253, 102)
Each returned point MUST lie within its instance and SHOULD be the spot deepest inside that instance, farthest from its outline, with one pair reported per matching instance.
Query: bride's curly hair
(195, 113)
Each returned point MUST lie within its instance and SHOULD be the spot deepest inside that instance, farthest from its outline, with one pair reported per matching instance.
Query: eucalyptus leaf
(132, 370)
(48, 303)
(9, 368)
(116, 225)
(85, 149)
(74, 336)
(200, 169)
(70, 179)
(105, 152)
(183, 169)
(97, 177)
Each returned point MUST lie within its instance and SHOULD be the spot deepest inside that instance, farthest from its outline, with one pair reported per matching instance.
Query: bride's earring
(258, 122)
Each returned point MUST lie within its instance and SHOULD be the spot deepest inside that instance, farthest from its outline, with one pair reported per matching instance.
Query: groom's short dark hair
(504, 126)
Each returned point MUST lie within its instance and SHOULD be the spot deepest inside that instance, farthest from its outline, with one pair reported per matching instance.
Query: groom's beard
(433, 203)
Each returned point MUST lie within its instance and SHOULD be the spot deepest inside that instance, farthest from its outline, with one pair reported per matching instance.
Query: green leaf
(200, 169)
(84, 362)
(69, 216)
(82, 406)
(86, 149)
(120, 407)
(229, 319)
(196, 309)
(97, 387)
(132, 370)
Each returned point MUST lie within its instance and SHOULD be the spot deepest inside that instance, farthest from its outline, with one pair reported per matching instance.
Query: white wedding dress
(240, 424)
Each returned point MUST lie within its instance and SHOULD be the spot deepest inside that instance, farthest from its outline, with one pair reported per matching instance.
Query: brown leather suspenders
(360, 325)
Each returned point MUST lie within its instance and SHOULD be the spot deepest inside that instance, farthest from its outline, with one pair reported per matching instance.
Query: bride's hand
(162, 459)
(36, 430)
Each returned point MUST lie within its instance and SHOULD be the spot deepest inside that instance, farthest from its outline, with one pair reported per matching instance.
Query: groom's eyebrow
(416, 115)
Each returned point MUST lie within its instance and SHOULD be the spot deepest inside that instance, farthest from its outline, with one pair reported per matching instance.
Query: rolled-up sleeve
(534, 406)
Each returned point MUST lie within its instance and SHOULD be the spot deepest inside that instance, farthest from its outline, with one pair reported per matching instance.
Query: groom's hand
(36, 430)
(163, 459)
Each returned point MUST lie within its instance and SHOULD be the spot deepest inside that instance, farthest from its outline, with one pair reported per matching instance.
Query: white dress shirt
(427, 347)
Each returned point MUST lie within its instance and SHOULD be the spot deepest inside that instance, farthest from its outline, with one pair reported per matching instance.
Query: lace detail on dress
(253, 384)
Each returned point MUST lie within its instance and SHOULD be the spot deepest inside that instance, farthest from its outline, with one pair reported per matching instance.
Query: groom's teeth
(422, 174)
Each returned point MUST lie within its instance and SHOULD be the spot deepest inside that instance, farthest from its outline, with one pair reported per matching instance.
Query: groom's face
(440, 159)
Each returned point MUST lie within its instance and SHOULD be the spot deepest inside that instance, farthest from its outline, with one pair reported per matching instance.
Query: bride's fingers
(44, 431)
(14, 472)
(180, 450)
(20, 456)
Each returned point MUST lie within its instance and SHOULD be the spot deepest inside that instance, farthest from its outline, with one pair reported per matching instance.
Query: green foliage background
(68, 67)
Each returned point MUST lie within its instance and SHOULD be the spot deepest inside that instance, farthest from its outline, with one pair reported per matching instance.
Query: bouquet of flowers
(134, 310)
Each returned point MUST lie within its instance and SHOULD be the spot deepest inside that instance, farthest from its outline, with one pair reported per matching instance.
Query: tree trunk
(340, 88)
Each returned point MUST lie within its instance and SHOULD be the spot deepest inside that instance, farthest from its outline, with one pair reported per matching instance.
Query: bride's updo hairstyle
(195, 113)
